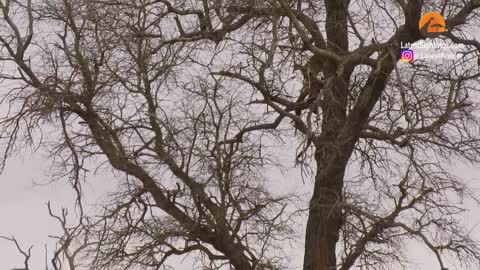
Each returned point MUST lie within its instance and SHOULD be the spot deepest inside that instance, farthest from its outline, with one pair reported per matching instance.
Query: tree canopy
(190, 102)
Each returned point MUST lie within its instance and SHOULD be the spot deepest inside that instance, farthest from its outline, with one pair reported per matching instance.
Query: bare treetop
(189, 104)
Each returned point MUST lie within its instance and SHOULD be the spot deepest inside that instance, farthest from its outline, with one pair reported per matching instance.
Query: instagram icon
(406, 55)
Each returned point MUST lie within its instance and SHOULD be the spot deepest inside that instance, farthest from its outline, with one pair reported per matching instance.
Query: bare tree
(27, 254)
(186, 101)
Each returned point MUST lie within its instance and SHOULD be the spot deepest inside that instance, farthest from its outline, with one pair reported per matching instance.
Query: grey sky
(24, 213)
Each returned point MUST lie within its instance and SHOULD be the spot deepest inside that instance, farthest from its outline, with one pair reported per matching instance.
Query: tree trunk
(340, 134)
(325, 218)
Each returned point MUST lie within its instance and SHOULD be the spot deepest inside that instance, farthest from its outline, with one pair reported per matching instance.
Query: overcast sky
(24, 212)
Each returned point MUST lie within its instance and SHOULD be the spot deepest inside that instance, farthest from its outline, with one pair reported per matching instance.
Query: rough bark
(335, 145)
(325, 219)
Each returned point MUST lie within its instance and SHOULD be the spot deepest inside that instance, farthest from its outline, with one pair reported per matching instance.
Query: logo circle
(432, 24)
(407, 55)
